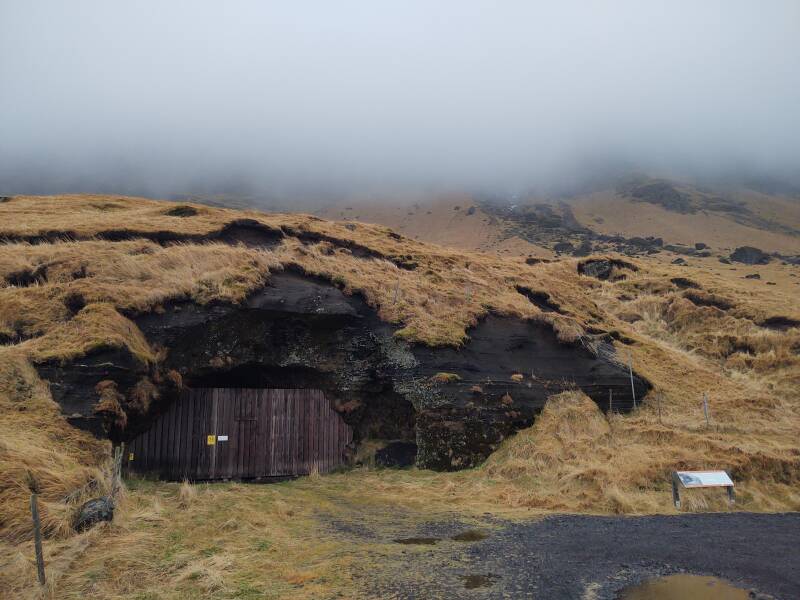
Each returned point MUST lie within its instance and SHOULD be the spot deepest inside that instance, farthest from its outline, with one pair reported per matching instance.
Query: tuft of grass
(445, 378)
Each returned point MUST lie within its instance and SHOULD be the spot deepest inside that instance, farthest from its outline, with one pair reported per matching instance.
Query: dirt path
(585, 557)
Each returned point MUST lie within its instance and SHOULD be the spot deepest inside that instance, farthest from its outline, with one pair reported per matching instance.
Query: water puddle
(418, 541)
(472, 582)
(472, 535)
(684, 587)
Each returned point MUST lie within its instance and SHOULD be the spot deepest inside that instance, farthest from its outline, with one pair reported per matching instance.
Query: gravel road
(591, 557)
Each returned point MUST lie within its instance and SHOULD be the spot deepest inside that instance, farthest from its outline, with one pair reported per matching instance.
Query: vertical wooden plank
(240, 413)
(247, 414)
(263, 431)
(230, 431)
(176, 440)
(291, 423)
(252, 469)
(184, 406)
(169, 419)
(304, 436)
(273, 433)
(158, 452)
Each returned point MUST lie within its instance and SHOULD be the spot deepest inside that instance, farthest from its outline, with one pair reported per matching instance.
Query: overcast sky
(167, 95)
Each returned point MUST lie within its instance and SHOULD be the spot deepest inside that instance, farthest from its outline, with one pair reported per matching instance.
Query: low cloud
(342, 97)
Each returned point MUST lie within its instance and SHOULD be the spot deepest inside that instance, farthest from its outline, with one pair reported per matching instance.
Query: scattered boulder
(679, 261)
(602, 268)
(700, 246)
(648, 242)
(94, 511)
(680, 249)
(752, 276)
(4, 199)
(563, 247)
(397, 454)
(471, 211)
(750, 255)
(585, 249)
(724, 260)
(532, 260)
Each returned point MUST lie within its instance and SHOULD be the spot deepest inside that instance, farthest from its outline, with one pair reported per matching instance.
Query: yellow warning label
(130, 456)
(211, 440)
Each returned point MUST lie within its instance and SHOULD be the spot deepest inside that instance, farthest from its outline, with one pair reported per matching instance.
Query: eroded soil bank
(593, 557)
(456, 404)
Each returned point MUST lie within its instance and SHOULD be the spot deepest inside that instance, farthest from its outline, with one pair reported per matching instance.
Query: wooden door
(227, 433)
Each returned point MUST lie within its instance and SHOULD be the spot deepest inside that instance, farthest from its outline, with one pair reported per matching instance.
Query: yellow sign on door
(211, 440)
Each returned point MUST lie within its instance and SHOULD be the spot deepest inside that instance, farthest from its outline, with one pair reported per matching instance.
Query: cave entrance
(234, 433)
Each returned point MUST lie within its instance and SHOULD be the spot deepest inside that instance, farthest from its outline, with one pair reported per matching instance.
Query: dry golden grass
(229, 540)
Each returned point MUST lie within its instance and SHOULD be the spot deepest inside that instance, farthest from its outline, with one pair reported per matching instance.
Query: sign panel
(222, 438)
(692, 479)
(211, 440)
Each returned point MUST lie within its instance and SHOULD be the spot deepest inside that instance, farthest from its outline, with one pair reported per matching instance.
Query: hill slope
(78, 270)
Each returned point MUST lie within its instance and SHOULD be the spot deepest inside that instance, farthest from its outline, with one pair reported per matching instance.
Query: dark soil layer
(573, 557)
(455, 405)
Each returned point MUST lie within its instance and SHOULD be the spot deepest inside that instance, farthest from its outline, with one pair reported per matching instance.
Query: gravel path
(592, 558)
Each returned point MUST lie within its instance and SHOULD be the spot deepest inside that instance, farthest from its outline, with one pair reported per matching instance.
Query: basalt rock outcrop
(750, 256)
(456, 404)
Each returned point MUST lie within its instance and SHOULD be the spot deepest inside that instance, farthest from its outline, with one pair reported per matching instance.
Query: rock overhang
(300, 329)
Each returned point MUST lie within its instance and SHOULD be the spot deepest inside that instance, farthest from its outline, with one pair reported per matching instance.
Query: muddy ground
(576, 557)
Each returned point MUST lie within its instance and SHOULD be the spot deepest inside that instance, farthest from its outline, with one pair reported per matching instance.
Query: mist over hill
(314, 100)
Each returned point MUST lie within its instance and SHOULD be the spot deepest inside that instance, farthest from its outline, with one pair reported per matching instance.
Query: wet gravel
(593, 558)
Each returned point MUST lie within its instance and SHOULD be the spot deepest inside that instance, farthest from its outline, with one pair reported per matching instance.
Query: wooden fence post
(658, 399)
(705, 409)
(37, 538)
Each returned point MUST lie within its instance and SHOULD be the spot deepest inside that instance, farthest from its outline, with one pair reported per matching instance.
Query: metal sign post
(700, 479)
(705, 408)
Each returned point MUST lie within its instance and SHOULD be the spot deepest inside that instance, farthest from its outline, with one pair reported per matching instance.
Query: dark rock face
(506, 372)
(659, 192)
(397, 454)
(73, 385)
(93, 512)
(750, 256)
(454, 405)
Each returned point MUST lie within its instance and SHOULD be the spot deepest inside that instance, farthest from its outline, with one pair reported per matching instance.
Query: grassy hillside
(74, 269)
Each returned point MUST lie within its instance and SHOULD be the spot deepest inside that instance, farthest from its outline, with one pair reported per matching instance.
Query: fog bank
(166, 98)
